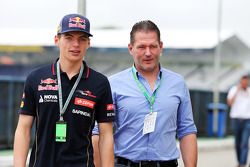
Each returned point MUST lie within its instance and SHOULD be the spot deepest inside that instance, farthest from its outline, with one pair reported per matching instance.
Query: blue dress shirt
(174, 116)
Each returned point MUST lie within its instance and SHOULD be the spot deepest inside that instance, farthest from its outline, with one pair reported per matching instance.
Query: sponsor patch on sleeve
(110, 107)
(112, 114)
(22, 104)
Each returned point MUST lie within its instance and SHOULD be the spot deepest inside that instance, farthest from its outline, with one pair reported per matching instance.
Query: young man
(239, 100)
(64, 99)
(152, 106)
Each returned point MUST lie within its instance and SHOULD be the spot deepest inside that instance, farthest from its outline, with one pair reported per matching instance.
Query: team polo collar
(85, 71)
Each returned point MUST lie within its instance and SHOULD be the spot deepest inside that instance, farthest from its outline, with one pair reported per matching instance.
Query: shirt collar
(86, 70)
(138, 74)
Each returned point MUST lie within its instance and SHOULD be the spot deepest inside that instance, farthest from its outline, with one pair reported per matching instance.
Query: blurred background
(207, 42)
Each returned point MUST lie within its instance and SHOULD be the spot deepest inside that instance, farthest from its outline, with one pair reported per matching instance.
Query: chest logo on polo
(48, 98)
(86, 93)
(83, 113)
(48, 84)
(48, 81)
(84, 102)
(47, 87)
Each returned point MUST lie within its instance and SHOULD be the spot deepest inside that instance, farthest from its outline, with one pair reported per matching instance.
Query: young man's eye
(67, 37)
(84, 38)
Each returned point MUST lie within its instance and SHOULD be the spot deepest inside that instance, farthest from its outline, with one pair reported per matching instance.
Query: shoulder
(171, 75)
(40, 71)
(36, 76)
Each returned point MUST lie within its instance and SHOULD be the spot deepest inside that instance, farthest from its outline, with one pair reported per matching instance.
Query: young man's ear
(56, 40)
(89, 44)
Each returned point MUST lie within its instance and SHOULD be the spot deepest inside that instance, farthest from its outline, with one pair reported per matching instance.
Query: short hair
(145, 25)
(244, 77)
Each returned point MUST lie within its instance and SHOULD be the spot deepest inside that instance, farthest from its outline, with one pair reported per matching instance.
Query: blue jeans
(241, 129)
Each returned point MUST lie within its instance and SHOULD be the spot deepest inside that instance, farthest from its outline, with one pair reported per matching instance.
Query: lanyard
(151, 99)
(61, 106)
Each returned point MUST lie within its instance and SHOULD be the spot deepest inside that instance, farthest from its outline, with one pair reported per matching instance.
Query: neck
(71, 69)
(151, 77)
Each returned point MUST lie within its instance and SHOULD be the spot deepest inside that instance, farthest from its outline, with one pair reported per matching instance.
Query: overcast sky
(169, 14)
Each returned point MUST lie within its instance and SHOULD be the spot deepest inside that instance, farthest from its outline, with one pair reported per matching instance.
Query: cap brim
(62, 32)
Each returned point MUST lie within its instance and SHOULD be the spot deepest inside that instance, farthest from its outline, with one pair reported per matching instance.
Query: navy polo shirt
(92, 100)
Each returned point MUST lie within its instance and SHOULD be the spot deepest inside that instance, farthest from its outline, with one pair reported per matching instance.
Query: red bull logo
(76, 22)
(47, 87)
(48, 81)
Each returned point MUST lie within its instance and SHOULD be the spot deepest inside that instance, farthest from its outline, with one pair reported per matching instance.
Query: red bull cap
(74, 22)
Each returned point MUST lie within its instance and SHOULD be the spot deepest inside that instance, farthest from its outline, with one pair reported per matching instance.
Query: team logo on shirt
(48, 81)
(84, 102)
(48, 98)
(86, 93)
(47, 87)
(83, 113)
(46, 84)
